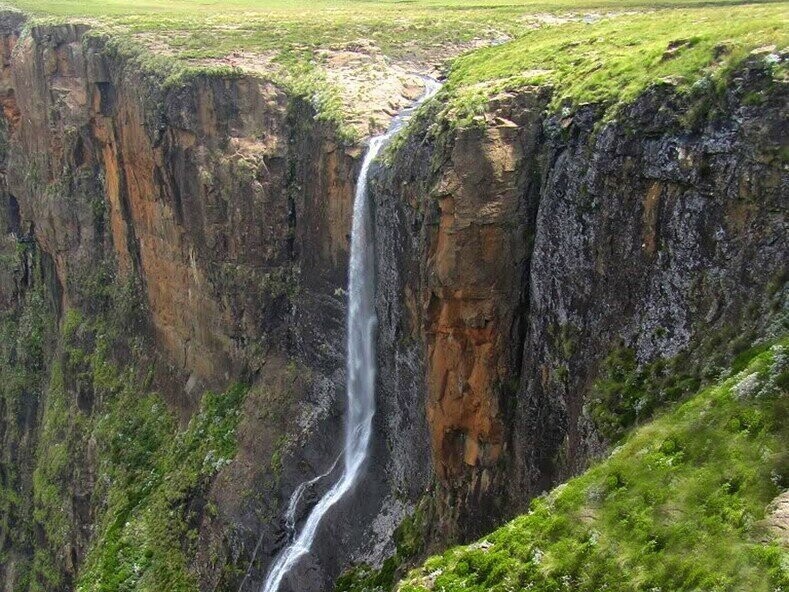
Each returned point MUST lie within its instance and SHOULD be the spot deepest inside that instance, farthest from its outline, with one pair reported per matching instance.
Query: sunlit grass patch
(612, 60)
(677, 507)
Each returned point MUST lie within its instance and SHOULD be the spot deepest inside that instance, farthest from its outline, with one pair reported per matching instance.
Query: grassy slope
(615, 59)
(676, 507)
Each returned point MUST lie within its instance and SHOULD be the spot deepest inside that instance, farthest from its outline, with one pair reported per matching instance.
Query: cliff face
(514, 259)
(222, 207)
(229, 207)
(202, 184)
(455, 216)
(654, 235)
(540, 247)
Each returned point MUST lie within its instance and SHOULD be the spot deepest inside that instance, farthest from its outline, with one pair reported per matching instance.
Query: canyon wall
(519, 261)
(202, 182)
(226, 205)
(535, 251)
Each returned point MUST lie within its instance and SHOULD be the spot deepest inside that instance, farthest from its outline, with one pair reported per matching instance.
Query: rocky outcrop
(537, 245)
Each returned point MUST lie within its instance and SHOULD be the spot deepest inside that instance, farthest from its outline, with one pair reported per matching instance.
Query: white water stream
(361, 361)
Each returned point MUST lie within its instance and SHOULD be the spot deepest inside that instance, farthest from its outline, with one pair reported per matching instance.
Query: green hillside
(681, 505)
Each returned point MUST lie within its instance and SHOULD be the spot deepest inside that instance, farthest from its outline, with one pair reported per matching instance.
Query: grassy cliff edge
(680, 505)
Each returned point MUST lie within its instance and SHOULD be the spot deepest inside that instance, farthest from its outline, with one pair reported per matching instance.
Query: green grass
(302, 9)
(194, 28)
(615, 59)
(197, 29)
(608, 59)
(678, 507)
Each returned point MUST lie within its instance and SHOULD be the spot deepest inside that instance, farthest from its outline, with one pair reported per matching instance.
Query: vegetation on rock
(105, 439)
(602, 51)
(409, 540)
(26, 336)
(678, 506)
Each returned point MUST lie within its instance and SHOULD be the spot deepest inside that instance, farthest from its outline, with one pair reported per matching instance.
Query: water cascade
(361, 368)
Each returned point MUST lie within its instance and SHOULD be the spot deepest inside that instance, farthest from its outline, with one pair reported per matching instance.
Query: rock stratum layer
(514, 257)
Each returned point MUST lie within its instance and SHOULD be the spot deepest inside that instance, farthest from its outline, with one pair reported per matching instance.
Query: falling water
(361, 358)
(290, 514)
(295, 498)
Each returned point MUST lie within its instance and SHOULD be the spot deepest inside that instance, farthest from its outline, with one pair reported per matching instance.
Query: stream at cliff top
(361, 368)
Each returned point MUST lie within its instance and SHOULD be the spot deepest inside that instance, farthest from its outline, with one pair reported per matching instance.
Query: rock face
(511, 258)
(537, 245)
(465, 216)
(653, 235)
(203, 183)
(778, 518)
(230, 205)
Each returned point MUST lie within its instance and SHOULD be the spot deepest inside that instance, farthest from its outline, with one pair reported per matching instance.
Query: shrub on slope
(679, 506)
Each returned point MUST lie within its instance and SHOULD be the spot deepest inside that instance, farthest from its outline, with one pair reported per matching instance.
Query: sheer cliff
(540, 248)
(173, 273)
(196, 229)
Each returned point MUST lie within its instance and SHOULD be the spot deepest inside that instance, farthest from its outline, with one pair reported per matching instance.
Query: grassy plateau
(595, 50)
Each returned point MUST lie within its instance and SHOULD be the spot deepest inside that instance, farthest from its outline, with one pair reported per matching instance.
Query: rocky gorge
(175, 237)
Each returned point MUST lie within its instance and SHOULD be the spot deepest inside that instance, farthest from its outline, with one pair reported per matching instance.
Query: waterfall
(295, 498)
(361, 368)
